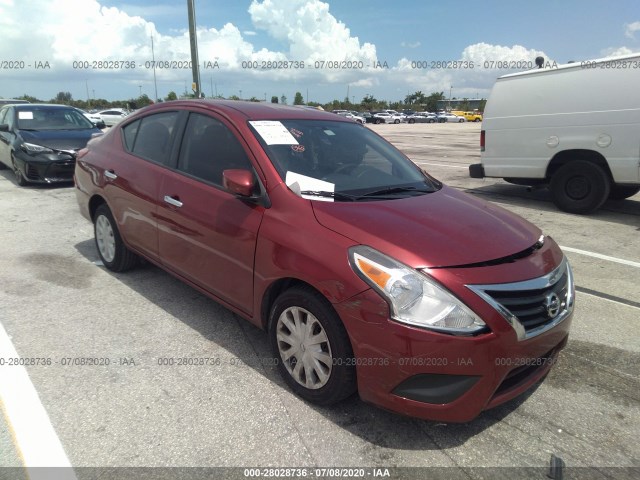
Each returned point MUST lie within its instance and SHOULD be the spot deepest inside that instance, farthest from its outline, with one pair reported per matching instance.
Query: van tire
(620, 192)
(580, 187)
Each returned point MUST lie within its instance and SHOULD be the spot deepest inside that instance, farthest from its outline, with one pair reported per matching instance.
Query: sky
(332, 48)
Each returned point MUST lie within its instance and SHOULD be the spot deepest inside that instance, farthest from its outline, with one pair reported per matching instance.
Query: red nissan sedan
(368, 274)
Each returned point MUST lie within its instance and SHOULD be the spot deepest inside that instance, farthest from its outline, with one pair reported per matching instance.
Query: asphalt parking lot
(128, 409)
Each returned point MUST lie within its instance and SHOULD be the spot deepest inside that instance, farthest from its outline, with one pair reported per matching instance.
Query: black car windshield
(325, 158)
(43, 117)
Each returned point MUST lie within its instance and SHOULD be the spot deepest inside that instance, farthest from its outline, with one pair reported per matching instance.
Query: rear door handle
(110, 174)
(172, 201)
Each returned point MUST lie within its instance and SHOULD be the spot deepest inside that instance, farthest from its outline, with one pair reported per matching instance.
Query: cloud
(630, 29)
(617, 51)
(85, 30)
(312, 34)
(473, 73)
(410, 45)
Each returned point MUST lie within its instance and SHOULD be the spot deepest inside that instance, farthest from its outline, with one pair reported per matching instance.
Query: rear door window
(152, 136)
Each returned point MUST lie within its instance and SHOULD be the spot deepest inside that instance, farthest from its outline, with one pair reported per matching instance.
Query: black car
(40, 142)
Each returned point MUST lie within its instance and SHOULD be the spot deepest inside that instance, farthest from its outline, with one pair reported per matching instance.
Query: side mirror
(4, 127)
(240, 182)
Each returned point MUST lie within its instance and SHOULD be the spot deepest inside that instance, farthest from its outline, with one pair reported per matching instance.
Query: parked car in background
(94, 118)
(112, 116)
(469, 116)
(396, 116)
(368, 117)
(351, 116)
(39, 142)
(383, 117)
(421, 117)
(450, 117)
(368, 274)
(11, 101)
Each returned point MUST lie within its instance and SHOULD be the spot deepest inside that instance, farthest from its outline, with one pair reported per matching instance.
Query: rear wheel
(579, 187)
(620, 192)
(112, 250)
(311, 346)
(377, 121)
(412, 120)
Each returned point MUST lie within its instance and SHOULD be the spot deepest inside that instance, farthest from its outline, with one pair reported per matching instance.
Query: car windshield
(44, 118)
(344, 159)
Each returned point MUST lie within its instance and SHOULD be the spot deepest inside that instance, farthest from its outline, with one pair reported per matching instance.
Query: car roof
(48, 106)
(249, 110)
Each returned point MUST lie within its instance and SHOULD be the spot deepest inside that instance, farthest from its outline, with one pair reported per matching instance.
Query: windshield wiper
(326, 194)
(394, 190)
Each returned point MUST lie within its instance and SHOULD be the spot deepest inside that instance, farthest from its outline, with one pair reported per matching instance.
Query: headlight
(413, 296)
(33, 149)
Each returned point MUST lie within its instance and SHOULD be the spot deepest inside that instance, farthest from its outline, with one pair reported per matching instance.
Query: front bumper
(435, 376)
(46, 168)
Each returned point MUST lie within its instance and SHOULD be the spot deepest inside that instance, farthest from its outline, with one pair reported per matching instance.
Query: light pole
(195, 67)
(450, 88)
(140, 87)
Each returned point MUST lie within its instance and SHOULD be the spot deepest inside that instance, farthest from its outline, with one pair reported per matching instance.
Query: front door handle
(172, 201)
(110, 174)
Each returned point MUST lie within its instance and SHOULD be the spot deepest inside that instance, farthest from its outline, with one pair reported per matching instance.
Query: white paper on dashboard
(299, 183)
(273, 132)
(25, 115)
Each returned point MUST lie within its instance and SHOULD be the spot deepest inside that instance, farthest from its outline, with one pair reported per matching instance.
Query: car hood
(441, 229)
(59, 139)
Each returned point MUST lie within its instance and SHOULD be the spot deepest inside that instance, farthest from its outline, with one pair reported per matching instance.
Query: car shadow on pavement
(8, 174)
(618, 211)
(250, 345)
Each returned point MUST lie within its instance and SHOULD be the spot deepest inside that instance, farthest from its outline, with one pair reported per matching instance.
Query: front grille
(532, 306)
(60, 171)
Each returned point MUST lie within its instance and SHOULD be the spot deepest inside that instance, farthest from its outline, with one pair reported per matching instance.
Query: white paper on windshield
(299, 183)
(274, 133)
(25, 115)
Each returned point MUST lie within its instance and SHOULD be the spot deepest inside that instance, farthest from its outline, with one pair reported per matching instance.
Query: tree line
(415, 101)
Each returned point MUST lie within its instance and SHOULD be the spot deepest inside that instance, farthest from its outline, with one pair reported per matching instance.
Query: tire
(396, 121)
(377, 121)
(460, 121)
(620, 192)
(21, 181)
(297, 314)
(412, 120)
(580, 187)
(112, 250)
(477, 120)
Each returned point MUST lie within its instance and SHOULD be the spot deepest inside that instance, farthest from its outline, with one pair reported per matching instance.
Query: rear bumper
(476, 170)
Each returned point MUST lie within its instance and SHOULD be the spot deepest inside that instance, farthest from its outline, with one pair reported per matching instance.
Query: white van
(574, 128)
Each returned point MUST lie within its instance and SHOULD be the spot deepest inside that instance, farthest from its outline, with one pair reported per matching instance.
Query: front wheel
(377, 121)
(580, 187)
(20, 180)
(620, 192)
(311, 346)
(112, 250)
